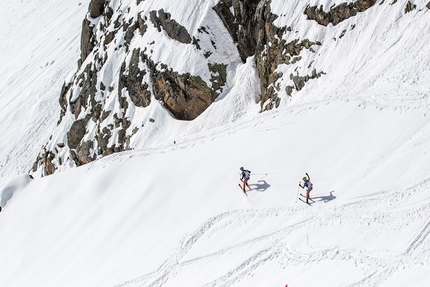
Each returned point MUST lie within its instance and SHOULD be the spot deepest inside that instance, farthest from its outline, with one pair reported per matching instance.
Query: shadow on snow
(261, 185)
(325, 198)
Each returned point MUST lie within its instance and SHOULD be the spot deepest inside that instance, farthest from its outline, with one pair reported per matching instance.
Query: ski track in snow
(382, 209)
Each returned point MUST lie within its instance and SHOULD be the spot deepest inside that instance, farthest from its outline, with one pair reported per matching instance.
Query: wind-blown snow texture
(172, 215)
(39, 49)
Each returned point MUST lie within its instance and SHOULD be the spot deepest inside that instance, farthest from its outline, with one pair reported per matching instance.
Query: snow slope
(172, 215)
(40, 47)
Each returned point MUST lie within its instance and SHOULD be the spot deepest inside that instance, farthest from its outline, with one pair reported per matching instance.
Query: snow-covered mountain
(280, 87)
(142, 56)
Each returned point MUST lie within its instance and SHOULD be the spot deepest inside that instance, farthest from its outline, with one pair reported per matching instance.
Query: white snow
(40, 46)
(171, 214)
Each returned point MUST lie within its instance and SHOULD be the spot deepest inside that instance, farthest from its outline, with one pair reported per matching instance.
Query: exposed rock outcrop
(242, 24)
(251, 26)
(184, 95)
(122, 70)
(96, 8)
(87, 41)
(85, 152)
(132, 81)
(338, 13)
(172, 28)
(409, 7)
(76, 133)
(63, 99)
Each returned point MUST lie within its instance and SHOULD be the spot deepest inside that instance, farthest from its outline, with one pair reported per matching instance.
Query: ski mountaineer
(246, 175)
(307, 183)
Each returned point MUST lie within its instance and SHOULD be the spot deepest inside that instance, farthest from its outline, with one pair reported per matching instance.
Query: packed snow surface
(172, 213)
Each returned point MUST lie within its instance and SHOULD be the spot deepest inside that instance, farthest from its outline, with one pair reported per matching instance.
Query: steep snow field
(171, 214)
(40, 46)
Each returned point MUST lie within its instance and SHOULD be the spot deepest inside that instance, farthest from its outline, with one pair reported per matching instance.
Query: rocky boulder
(96, 8)
(338, 13)
(409, 7)
(173, 29)
(76, 133)
(184, 95)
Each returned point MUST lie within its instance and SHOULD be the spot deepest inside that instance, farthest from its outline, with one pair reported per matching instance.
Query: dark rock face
(138, 91)
(300, 81)
(337, 13)
(83, 153)
(428, 5)
(141, 24)
(47, 161)
(96, 8)
(87, 41)
(76, 133)
(172, 28)
(280, 52)
(63, 99)
(87, 82)
(251, 27)
(184, 95)
(409, 7)
(246, 25)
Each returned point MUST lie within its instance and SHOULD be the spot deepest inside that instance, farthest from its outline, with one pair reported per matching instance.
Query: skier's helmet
(304, 178)
(241, 168)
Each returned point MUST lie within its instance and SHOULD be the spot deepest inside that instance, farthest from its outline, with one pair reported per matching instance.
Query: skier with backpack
(245, 176)
(307, 183)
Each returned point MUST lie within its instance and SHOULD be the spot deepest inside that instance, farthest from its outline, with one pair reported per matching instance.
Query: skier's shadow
(325, 198)
(261, 185)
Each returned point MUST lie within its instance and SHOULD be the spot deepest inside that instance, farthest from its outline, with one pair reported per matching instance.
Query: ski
(305, 197)
(304, 201)
(241, 188)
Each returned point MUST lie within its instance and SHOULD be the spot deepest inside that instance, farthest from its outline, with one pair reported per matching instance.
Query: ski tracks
(373, 219)
(213, 227)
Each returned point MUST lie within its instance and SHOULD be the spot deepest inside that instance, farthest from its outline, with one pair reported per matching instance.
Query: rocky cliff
(138, 53)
